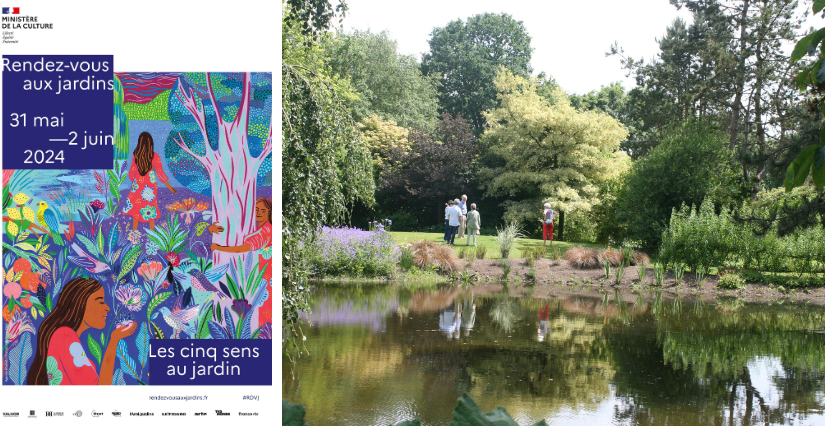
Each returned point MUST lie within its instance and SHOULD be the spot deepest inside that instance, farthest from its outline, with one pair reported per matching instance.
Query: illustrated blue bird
(178, 318)
(204, 281)
(48, 219)
(84, 260)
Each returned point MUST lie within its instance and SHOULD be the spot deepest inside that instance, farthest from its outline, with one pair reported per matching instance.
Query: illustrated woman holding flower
(259, 241)
(61, 358)
(146, 171)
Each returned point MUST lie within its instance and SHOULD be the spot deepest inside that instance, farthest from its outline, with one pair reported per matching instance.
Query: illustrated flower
(241, 307)
(19, 324)
(135, 186)
(152, 248)
(12, 290)
(165, 284)
(131, 297)
(134, 237)
(150, 271)
(53, 373)
(79, 355)
(148, 213)
(26, 301)
(147, 193)
(123, 323)
(97, 205)
(173, 259)
(152, 177)
(128, 206)
(188, 208)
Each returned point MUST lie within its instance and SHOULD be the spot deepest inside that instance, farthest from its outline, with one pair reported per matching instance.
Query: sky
(569, 38)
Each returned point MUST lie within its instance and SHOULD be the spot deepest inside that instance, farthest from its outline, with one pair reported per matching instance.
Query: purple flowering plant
(355, 252)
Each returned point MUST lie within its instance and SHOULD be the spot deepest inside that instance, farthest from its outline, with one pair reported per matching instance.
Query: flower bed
(354, 252)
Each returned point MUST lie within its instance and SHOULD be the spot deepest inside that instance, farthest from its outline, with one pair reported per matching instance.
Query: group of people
(458, 218)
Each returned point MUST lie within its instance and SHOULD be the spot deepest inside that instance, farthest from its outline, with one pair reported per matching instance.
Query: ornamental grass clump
(430, 254)
(507, 237)
(354, 252)
(582, 258)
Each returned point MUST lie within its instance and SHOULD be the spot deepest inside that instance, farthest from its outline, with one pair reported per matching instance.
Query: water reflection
(380, 355)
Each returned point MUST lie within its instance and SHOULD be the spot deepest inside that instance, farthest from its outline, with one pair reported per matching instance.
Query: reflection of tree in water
(504, 313)
(700, 360)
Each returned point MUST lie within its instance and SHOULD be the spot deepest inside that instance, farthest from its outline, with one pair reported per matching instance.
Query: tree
(325, 163)
(439, 167)
(692, 163)
(614, 101)
(548, 152)
(466, 57)
(387, 83)
(221, 144)
(386, 141)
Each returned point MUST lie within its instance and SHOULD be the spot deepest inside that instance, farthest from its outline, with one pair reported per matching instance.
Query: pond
(382, 354)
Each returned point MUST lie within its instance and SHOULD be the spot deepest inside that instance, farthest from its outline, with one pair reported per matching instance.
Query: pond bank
(554, 278)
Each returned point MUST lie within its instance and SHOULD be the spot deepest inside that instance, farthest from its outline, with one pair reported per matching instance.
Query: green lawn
(487, 241)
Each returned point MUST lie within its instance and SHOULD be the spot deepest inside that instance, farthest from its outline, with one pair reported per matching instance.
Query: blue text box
(216, 362)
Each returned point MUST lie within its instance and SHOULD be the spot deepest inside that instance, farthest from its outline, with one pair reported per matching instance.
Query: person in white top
(447, 222)
(463, 206)
(547, 223)
(453, 214)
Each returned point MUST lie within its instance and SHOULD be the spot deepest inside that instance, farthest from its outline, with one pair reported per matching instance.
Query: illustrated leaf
(157, 300)
(131, 258)
(158, 332)
(142, 342)
(113, 237)
(246, 326)
(200, 227)
(94, 348)
(117, 378)
(34, 311)
(103, 340)
(127, 363)
(217, 331)
(26, 246)
(18, 357)
(230, 323)
(90, 246)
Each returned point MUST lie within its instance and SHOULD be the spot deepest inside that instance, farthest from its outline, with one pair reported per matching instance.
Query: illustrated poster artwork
(173, 242)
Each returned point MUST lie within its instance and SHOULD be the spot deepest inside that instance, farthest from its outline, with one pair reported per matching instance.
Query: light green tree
(548, 152)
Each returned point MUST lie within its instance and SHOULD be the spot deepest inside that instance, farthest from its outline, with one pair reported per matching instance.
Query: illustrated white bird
(86, 261)
(179, 318)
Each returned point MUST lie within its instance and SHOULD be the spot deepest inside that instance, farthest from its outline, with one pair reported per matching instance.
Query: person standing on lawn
(453, 213)
(473, 224)
(447, 206)
(463, 206)
(547, 224)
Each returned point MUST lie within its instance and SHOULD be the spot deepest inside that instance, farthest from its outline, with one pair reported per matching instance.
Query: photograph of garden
(468, 240)
(172, 242)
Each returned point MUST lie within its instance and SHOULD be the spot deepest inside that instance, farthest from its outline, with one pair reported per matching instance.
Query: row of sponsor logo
(116, 413)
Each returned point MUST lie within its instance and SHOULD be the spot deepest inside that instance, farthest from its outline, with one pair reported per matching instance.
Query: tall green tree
(388, 84)
(465, 57)
(692, 163)
(326, 165)
(548, 152)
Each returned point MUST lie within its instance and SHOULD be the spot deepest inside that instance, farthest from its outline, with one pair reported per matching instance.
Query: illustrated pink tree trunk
(232, 169)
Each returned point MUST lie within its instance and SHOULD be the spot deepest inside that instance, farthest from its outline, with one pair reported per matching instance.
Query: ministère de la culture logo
(14, 22)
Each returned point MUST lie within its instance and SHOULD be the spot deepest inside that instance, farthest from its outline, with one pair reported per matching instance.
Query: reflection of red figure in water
(544, 317)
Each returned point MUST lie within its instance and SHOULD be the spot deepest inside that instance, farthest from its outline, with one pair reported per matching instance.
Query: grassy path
(487, 241)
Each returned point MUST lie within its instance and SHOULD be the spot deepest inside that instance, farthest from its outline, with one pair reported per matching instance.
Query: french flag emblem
(11, 10)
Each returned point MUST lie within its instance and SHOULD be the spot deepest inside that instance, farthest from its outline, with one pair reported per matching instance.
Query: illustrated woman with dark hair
(259, 241)
(146, 171)
(81, 306)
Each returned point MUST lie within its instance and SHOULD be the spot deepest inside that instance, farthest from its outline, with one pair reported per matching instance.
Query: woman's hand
(215, 247)
(123, 332)
(215, 229)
